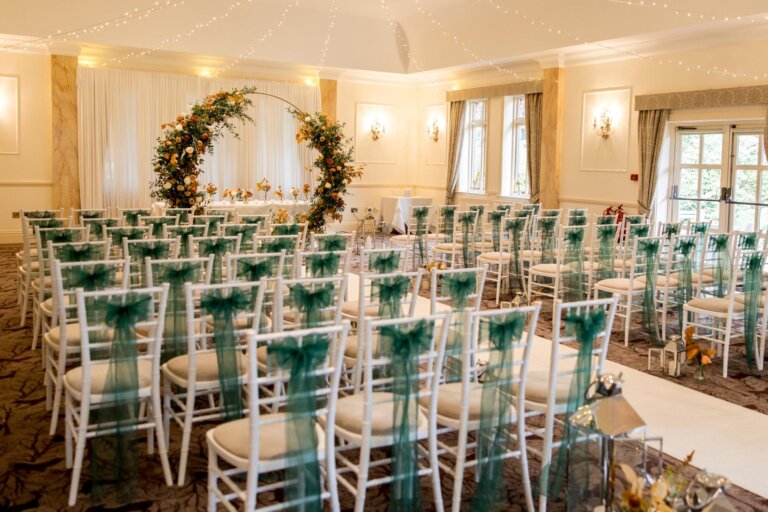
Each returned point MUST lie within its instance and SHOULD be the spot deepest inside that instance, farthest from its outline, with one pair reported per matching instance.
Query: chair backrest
(382, 261)
(419, 215)
(46, 236)
(545, 235)
(218, 247)
(41, 214)
(78, 215)
(255, 266)
(333, 241)
(184, 234)
(279, 374)
(646, 254)
(71, 252)
(323, 263)
(603, 250)
(88, 276)
(669, 229)
(212, 221)
(228, 212)
(97, 228)
(157, 269)
(560, 357)
(699, 228)
(156, 223)
(289, 244)
(139, 250)
(183, 214)
(371, 303)
(446, 220)
(457, 287)
(144, 310)
(601, 220)
(131, 216)
(246, 232)
(117, 235)
(309, 302)
(262, 221)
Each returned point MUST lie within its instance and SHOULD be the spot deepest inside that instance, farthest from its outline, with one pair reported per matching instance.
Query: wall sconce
(602, 125)
(377, 129)
(433, 130)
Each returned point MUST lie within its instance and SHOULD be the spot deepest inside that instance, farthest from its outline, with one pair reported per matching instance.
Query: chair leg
(57, 392)
(162, 447)
(435, 467)
(77, 466)
(362, 477)
(546, 458)
(524, 473)
(186, 435)
(458, 472)
(167, 411)
(213, 479)
(68, 435)
(628, 320)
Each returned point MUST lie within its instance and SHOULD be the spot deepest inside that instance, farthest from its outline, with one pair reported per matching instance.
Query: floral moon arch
(184, 143)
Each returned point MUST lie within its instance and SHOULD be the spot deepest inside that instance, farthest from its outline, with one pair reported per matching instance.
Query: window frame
(513, 121)
(470, 124)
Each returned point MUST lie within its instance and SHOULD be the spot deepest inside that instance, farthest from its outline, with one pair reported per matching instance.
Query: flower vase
(265, 197)
(231, 199)
(698, 373)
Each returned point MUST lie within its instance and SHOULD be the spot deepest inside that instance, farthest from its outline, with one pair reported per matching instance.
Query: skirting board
(10, 237)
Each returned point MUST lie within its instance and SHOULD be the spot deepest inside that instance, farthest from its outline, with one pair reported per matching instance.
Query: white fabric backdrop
(119, 117)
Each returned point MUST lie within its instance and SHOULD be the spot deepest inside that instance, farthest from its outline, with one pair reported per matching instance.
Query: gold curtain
(455, 141)
(650, 134)
(533, 142)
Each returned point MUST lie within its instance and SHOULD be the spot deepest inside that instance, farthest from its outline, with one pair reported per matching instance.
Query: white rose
(190, 150)
(167, 185)
(199, 199)
(187, 180)
(327, 185)
(307, 119)
(179, 127)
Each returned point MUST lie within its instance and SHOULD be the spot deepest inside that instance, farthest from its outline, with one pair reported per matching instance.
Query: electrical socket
(15, 215)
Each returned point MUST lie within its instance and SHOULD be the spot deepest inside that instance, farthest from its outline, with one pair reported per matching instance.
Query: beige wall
(25, 178)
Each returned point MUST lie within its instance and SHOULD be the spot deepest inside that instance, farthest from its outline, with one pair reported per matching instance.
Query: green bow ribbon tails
(131, 217)
(718, 244)
(176, 274)
(606, 241)
(547, 237)
(218, 246)
(139, 252)
(184, 234)
(685, 248)
(458, 287)
(310, 302)
(421, 214)
(467, 220)
(391, 293)
(573, 272)
(649, 252)
(515, 229)
(448, 213)
(495, 218)
(753, 288)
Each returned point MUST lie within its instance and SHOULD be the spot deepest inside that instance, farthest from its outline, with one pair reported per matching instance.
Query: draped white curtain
(119, 117)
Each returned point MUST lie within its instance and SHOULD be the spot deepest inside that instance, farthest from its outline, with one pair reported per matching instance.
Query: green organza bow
(91, 278)
(605, 219)
(58, 236)
(495, 218)
(684, 247)
(256, 220)
(467, 221)
(120, 234)
(310, 302)
(747, 241)
(211, 221)
(114, 457)
(459, 287)
(480, 210)
(246, 232)
(255, 270)
(323, 264)
(156, 250)
(384, 262)
(606, 239)
(184, 233)
(45, 223)
(71, 253)
(649, 250)
(573, 274)
(156, 225)
(671, 230)
(98, 227)
(285, 229)
(753, 288)
(332, 243)
(391, 292)
(515, 230)
(421, 214)
(577, 220)
(547, 237)
(303, 469)
(218, 247)
(278, 244)
(586, 327)
(91, 214)
(183, 214)
(404, 345)
(722, 278)
(131, 217)
(699, 228)
(448, 213)
(635, 219)
(493, 437)
(40, 214)
(224, 308)
(176, 274)
(506, 208)
(638, 231)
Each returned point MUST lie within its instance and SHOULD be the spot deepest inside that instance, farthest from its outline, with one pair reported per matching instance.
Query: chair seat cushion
(352, 347)
(449, 400)
(547, 268)
(448, 247)
(495, 256)
(530, 254)
(206, 366)
(741, 298)
(537, 387)
(71, 332)
(661, 280)
(99, 371)
(352, 308)
(35, 265)
(403, 238)
(715, 304)
(235, 437)
(436, 236)
(350, 413)
(620, 283)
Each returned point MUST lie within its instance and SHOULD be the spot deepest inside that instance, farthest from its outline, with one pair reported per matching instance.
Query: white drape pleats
(119, 117)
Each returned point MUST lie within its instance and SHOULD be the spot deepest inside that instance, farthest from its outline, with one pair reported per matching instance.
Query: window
(514, 180)
(472, 167)
(721, 174)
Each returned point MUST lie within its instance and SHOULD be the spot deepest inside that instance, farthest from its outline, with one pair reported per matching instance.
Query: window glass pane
(689, 148)
(747, 147)
(710, 210)
(713, 148)
(745, 185)
(520, 108)
(520, 175)
(764, 187)
(478, 111)
(743, 217)
(476, 162)
(710, 184)
(763, 218)
(686, 210)
(689, 183)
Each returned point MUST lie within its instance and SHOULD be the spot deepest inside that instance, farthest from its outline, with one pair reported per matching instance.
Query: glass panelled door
(721, 174)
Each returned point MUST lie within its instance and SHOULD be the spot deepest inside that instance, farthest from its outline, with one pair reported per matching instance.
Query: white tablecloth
(250, 208)
(395, 210)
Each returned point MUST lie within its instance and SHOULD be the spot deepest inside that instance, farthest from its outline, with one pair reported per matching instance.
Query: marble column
(66, 176)
(328, 98)
(551, 136)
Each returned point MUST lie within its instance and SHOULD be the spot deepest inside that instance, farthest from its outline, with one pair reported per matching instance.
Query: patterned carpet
(33, 474)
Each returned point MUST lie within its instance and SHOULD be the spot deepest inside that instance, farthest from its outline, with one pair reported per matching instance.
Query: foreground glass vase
(698, 373)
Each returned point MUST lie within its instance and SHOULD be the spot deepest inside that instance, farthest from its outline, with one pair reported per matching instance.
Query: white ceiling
(438, 34)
